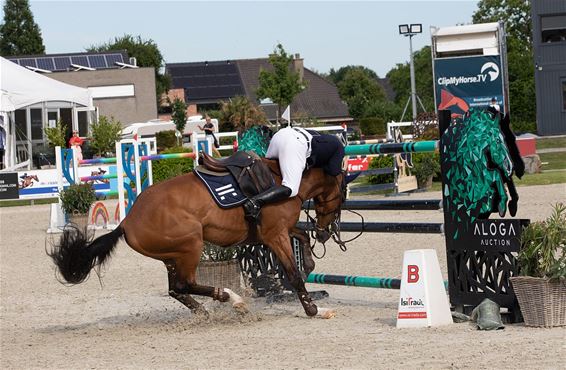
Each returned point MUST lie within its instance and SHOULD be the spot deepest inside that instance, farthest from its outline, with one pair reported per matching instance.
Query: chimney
(299, 66)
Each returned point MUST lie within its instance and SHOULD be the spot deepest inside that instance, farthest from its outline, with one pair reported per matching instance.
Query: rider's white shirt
(292, 149)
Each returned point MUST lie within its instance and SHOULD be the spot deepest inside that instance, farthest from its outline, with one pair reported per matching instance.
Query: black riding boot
(253, 205)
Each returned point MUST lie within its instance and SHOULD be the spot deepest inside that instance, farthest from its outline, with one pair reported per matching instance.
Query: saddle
(252, 175)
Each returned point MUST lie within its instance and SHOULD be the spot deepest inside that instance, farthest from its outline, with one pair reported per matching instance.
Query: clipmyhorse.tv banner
(468, 82)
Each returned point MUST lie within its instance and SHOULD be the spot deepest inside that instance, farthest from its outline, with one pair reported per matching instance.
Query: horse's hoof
(326, 313)
(311, 310)
(240, 307)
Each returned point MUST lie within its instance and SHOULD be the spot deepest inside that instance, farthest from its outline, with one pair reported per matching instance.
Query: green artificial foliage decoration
(105, 134)
(255, 139)
(475, 166)
(56, 135)
(19, 34)
(77, 198)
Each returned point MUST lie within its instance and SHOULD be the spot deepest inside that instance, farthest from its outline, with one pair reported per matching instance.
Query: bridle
(322, 234)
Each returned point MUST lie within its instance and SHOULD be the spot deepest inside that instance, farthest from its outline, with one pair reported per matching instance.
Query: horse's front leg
(281, 246)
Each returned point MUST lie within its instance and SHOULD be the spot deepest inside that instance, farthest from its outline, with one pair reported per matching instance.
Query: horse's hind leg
(186, 284)
(177, 289)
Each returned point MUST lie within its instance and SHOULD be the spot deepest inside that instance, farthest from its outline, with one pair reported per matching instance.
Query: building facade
(549, 42)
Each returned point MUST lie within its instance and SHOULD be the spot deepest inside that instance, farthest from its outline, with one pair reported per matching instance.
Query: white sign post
(423, 301)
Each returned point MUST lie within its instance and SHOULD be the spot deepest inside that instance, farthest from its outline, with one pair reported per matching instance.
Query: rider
(297, 149)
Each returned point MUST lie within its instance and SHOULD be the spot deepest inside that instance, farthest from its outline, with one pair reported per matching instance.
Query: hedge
(169, 168)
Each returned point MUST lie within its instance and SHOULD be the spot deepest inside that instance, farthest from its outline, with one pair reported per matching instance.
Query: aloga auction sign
(468, 82)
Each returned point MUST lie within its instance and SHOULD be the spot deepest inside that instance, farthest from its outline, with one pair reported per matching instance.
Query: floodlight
(403, 29)
(416, 28)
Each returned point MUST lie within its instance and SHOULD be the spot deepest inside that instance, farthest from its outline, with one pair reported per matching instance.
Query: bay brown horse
(171, 220)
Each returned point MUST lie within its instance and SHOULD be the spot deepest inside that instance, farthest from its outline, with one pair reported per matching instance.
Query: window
(553, 28)
(21, 124)
(564, 95)
(82, 116)
(36, 123)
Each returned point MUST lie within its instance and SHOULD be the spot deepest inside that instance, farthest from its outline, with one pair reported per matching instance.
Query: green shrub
(169, 168)
(166, 140)
(425, 165)
(373, 126)
(105, 134)
(543, 252)
(381, 162)
(77, 198)
(524, 126)
(56, 135)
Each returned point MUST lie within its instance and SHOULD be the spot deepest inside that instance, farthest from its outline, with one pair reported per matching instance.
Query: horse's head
(328, 204)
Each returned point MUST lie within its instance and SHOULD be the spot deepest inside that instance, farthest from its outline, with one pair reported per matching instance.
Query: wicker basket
(222, 274)
(80, 220)
(542, 302)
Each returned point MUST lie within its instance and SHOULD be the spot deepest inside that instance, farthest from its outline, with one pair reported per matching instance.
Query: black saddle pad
(224, 189)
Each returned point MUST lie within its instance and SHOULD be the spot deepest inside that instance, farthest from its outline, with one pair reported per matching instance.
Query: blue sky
(326, 33)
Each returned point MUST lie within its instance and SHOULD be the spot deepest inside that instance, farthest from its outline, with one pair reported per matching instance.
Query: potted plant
(76, 201)
(541, 286)
(425, 167)
(219, 267)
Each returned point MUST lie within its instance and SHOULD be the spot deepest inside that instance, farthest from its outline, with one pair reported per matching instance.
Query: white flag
(287, 114)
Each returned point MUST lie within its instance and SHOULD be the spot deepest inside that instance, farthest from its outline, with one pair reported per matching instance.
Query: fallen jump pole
(384, 227)
(392, 148)
(360, 281)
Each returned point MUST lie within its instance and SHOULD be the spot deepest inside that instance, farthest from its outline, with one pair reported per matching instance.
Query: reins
(334, 226)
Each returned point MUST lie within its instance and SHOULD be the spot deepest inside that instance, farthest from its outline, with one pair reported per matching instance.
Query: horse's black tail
(77, 254)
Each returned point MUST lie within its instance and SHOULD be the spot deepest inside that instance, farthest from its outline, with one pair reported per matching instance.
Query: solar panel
(46, 63)
(62, 63)
(28, 62)
(113, 58)
(80, 60)
(97, 61)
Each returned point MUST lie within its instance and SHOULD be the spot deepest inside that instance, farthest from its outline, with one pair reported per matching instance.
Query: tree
(359, 89)
(179, 114)
(105, 133)
(516, 14)
(240, 113)
(400, 79)
(19, 34)
(282, 84)
(337, 76)
(147, 54)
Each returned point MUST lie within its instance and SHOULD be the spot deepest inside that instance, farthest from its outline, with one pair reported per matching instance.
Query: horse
(27, 181)
(171, 220)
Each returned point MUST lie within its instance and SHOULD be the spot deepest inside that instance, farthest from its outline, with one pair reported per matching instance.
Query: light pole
(410, 31)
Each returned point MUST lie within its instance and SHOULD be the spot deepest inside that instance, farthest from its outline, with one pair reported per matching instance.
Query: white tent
(21, 87)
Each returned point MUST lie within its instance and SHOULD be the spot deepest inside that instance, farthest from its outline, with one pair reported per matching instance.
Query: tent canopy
(20, 87)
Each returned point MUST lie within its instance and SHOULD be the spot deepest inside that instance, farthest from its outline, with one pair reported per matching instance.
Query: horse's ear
(351, 177)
